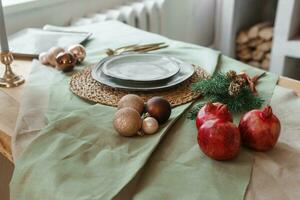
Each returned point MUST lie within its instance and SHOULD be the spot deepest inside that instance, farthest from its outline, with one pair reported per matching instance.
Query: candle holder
(9, 79)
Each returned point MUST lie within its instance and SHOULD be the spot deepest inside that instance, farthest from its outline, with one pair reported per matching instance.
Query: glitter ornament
(132, 101)
(127, 122)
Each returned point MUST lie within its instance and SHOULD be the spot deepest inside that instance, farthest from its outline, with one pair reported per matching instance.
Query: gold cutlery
(136, 48)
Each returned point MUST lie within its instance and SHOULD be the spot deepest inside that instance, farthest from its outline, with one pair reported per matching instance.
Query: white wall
(190, 20)
(56, 12)
(185, 20)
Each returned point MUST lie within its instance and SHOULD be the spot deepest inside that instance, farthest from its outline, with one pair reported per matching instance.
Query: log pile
(253, 46)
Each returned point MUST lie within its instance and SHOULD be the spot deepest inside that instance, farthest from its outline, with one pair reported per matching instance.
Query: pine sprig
(217, 84)
(215, 89)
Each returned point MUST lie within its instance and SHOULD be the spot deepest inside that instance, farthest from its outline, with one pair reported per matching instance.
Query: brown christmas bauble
(159, 108)
(132, 101)
(78, 52)
(52, 53)
(127, 122)
(65, 61)
(43, 58)
(150, 125)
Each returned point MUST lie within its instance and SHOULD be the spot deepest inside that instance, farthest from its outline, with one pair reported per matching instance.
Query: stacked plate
(142, 72)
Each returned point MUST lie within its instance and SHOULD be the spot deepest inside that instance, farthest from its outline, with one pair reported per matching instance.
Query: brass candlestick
(9, 79)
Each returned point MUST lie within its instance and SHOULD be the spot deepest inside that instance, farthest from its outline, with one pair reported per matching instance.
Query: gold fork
(136, 48)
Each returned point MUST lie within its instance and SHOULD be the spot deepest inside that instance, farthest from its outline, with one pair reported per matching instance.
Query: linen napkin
(79, 156)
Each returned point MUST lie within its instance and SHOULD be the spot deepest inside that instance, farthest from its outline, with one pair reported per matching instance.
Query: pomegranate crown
(267, 112)
(209, 106)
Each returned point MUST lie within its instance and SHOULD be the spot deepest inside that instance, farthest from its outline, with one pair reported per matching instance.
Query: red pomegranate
(260, 129)
(212, 111)
(219, 139)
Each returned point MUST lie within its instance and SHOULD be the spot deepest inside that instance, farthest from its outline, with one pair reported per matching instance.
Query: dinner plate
(140, 67)
(185, 72)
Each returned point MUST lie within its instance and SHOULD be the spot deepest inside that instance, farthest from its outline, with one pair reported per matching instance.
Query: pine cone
(240, 80)
(231, 75)
(234, 89)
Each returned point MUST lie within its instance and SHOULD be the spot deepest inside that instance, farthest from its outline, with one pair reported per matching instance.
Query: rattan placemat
(83, 85)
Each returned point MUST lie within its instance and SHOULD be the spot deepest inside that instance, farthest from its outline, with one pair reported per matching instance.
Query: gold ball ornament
(43, 58)
(127, 122)
(150, 125)
(52, 54)
(78, 51)
(65, 61)
(132, 101)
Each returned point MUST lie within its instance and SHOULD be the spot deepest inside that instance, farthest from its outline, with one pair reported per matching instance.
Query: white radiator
(146, 15)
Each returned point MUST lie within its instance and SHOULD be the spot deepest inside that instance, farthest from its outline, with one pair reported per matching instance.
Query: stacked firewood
(253, 46)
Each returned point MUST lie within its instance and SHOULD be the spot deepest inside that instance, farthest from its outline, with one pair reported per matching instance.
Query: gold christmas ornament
(78, 51)
(150, 125)
(52, 54)
(127, 122)
(65, 61)
(132, 101)
(43, 58)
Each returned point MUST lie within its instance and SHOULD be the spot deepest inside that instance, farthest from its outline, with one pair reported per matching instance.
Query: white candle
(3, 36)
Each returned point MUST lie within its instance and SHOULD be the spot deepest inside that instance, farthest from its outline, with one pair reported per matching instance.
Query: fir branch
(218, 84)
(215, 89)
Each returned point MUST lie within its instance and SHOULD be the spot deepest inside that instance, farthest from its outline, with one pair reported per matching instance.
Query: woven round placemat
(83, 85)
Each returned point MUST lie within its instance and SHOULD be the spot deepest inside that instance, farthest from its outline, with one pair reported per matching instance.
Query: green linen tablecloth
(78, 155)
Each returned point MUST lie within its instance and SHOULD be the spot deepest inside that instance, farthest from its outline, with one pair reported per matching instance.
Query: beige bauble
(132, 101)
(150, 125)
(52, 53)
(43, 58)
(127, 122)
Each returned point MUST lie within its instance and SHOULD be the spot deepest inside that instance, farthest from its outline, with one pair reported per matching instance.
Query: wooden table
(23, 67)
(20, 67)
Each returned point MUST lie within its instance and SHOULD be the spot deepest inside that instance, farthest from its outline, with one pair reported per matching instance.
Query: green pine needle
(218, 84)
(215, 89)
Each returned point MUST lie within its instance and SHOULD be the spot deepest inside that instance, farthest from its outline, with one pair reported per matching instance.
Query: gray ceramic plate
(185, 72)
(140, 67)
